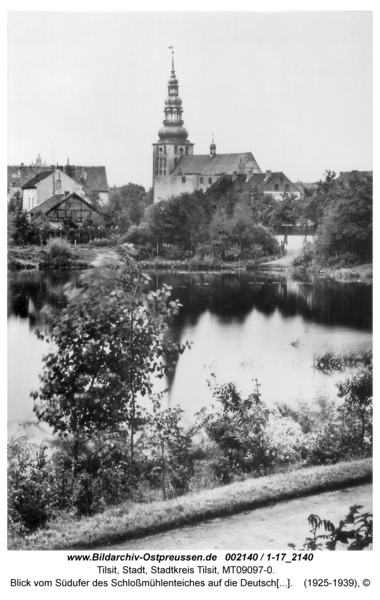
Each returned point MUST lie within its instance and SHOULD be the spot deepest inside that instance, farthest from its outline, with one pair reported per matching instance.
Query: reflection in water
(242, 327)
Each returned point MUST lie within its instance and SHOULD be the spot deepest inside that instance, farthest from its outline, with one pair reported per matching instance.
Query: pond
(244, 326)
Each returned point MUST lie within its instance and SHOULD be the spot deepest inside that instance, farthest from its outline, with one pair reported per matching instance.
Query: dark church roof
(54, 201)
(216, 165)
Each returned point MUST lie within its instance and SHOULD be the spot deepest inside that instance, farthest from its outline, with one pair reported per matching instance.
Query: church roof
(216, 165)
(55, 200)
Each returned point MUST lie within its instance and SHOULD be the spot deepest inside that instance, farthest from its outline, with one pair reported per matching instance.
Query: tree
(107, 347)
(240, 428)
(21, 226)
(347, 222)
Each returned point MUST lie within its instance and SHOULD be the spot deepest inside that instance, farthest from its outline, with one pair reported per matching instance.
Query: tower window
(161, 150)
(183, 179)
(181, 150)
(201, 180)
(187, 150)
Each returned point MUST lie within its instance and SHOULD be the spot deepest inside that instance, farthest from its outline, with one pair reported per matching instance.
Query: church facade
(176, 169)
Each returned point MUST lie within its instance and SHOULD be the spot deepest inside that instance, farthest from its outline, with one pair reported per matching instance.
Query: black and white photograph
(190, 279)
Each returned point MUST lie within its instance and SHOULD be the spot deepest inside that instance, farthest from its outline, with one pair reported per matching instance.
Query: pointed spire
(212, 147)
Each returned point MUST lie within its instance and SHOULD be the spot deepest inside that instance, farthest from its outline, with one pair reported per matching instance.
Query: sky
(293, 88)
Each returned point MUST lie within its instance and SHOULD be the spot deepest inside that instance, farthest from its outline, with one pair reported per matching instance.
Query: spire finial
(172, 49)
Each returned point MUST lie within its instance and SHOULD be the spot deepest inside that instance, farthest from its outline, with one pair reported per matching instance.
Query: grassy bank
(129, 521)
(34, 257)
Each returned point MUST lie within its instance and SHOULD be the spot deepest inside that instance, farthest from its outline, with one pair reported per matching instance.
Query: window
(175, 149)
(286, 187)
(276, 187)
(281, 180)
(187, 150)
(201, 180)
(164, 172)
(210, 179)
(181, 150)
(183, 179)
(164, 149)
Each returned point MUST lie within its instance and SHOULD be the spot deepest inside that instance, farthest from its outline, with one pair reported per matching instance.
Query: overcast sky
(295, 89)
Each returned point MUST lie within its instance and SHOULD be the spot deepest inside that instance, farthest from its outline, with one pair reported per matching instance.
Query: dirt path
(293, 248)
(272, 527)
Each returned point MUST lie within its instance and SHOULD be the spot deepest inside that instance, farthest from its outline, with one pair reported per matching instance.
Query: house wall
(281, 181)
(104, 197)
(29, 199)
(45, 187)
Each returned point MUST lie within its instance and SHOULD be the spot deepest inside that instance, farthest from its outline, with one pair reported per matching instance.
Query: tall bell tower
(173, 142)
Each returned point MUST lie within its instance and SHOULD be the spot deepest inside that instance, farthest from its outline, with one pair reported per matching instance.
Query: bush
(59, 252)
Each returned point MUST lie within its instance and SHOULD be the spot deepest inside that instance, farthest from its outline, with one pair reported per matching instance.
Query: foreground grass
(131, 521)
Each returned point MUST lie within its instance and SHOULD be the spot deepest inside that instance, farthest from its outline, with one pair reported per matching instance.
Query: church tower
(173, 142)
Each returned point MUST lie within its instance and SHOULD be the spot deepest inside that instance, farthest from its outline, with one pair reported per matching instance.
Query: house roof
(21, 176)
(36, 179)
(54, 201)
(258, 182)
(95, 180)
(346, 176)
(216, 165)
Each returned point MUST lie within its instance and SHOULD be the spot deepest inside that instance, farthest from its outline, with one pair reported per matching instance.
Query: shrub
(59, 252)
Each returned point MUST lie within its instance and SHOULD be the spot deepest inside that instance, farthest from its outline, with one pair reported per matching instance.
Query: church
(176, 169)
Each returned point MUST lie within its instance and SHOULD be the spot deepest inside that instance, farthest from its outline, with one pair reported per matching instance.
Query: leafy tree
(15, 203)
(347, 222)
(239, 427)
(20, 226)
(168, 446)
(107, 347)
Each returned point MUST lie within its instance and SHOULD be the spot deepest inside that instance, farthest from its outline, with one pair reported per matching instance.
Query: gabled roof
(216, 165)
(96, 178)
(19, 175)
(346, 176)
(36, 179)
(56, 200)
(258, 182)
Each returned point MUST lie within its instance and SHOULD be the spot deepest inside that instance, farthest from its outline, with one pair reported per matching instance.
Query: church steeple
(173, 143)
(173, 123)
(212, 147)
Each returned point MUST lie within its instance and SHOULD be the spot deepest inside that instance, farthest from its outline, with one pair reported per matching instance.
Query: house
(346, 176)
(276, 184)
(176, 169)
(93, 180)
(64, 206)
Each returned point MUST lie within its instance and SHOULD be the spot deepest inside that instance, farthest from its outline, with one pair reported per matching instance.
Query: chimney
(267, 174)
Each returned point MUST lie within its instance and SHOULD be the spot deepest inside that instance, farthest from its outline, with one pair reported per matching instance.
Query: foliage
(107, 347)
(15, 202)
(59, 252)
(354, 531)
(344, 215)
(167, 446)
(239, 427)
